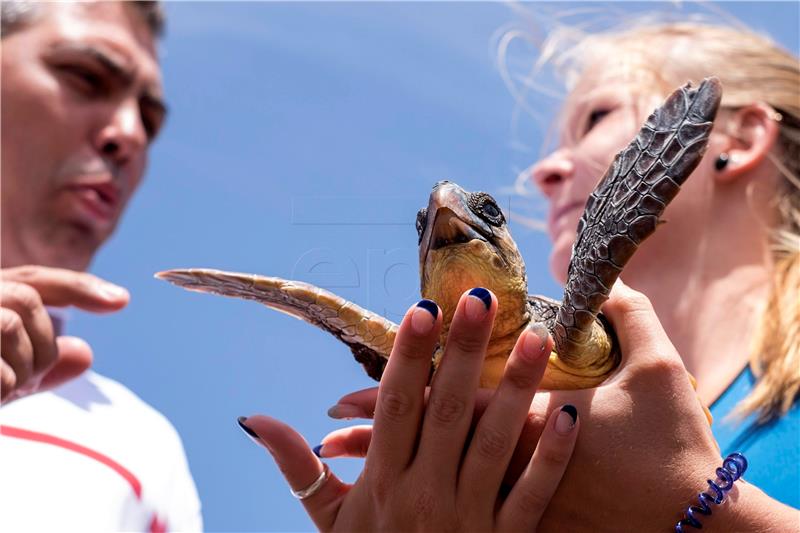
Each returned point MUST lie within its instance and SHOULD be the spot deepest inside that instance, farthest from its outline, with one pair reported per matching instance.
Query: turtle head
(464, 242)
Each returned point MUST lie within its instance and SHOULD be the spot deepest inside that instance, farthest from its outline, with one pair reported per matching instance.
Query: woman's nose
(553, 171)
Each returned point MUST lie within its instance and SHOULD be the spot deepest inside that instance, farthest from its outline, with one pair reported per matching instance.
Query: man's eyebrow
(116, 67)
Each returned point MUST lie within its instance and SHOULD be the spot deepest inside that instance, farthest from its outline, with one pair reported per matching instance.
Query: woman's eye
(595, 117)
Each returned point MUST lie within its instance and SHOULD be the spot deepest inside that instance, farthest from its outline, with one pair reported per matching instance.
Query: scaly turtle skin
(465, 243)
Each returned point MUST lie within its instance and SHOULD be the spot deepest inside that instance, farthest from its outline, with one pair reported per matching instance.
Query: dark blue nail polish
(316, 449)
(250, 433)
(571, 411)
(483, 295)
(429, 306)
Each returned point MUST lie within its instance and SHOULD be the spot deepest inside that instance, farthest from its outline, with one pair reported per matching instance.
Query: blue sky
(302, 139)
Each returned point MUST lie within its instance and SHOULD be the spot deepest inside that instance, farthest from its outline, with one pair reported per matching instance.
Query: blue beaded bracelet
(732, 469)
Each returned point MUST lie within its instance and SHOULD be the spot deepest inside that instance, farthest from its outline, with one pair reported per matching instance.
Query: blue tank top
(772, 450)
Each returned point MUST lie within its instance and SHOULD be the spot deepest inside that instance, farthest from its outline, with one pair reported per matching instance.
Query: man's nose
(553, 171)
(122, 137)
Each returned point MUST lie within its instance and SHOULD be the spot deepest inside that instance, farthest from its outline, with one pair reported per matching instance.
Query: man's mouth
(99, 200)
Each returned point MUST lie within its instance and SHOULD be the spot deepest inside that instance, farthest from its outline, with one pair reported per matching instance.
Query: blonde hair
(752, 69)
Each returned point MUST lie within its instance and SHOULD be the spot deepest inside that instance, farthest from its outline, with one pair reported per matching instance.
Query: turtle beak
(449, 220)
(449, 229)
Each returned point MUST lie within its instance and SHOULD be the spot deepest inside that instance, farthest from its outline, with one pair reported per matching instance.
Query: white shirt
(92, 456)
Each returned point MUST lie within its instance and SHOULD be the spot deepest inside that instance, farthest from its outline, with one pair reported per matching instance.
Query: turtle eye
(422, 221)
(485, 207)
(490, 210)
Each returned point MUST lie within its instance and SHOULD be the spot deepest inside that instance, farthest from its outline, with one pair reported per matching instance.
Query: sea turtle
(464, 242)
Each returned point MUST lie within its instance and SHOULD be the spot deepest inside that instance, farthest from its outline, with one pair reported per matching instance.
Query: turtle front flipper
(622, 212)
(369, 336)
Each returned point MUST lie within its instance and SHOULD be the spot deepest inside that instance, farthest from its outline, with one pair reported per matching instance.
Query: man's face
(81, 100)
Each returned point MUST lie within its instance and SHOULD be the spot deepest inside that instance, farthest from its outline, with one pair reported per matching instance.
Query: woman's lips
(563, 215)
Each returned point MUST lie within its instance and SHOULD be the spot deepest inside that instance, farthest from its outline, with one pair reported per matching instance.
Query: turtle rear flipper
(369, 336)
(624, 209)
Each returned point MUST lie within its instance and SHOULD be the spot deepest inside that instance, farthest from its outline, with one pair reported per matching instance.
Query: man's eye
(595, 117)
(84, 79)
(152, 124)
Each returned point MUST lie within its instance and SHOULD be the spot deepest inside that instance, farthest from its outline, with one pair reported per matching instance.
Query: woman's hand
(425, 469)
(645, 449)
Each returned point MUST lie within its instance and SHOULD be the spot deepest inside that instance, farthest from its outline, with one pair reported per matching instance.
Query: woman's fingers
(531, 494)
(345, 442)
(401, 393)
(361, 404)
(301, 468)
(648, 355)
(641, 337)
(450, 406)
(358, 404)
(499, 428)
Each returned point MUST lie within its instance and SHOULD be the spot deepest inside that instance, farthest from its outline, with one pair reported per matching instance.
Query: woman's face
(599, 118)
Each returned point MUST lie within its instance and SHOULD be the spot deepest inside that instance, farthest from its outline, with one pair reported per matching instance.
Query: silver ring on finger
(315, 487)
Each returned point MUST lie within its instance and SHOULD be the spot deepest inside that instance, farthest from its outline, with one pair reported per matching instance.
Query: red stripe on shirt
(19, 433)
(157, 525)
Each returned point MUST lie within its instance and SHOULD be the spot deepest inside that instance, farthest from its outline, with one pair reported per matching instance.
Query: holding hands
(429, 466)
(645, 448)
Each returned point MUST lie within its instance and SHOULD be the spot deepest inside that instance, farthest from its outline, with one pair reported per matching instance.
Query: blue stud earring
(722, 161)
